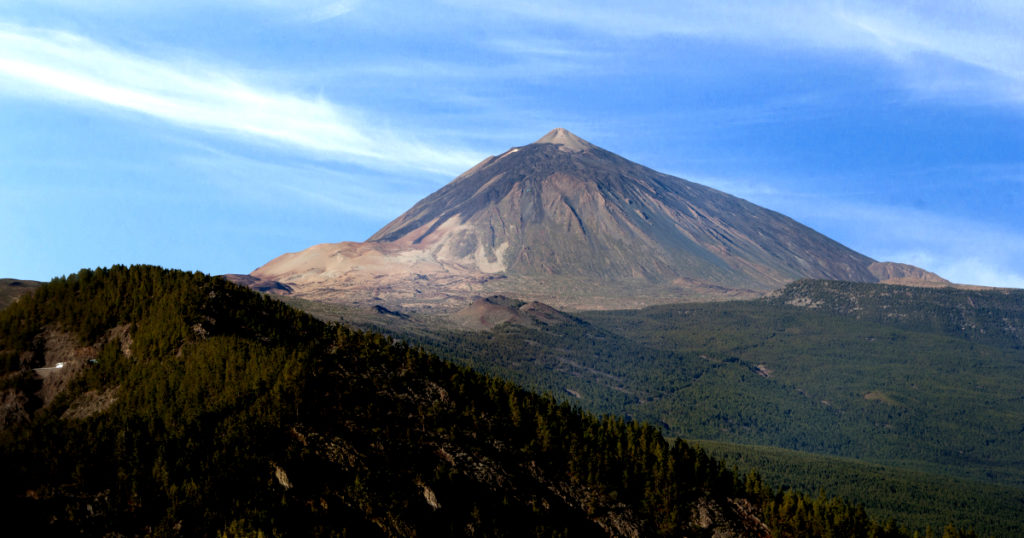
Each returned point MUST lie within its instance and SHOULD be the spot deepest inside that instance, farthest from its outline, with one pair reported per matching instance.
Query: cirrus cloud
(935, 45)
(64, 66)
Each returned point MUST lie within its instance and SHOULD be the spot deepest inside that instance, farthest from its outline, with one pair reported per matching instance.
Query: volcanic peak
(566, 140)
(567, 223)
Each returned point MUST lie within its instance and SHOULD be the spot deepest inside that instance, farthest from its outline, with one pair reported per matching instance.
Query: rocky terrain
(572, 225)
(11, 289)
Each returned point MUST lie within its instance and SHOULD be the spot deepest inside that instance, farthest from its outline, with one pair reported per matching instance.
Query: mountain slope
(190, 406)
(567, 223)
(562, 206)
(920, 379)
(11, 289)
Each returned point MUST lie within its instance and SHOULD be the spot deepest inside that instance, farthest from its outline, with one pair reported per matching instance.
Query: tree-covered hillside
(185, 405)
(927, 380)
(990, 316)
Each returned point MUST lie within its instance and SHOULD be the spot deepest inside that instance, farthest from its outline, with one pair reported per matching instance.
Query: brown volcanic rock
(11, 289)
(570, 224)
(907, 275)
(271, 287)
(488, 312)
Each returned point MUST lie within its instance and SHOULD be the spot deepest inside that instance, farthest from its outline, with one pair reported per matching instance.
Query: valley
(227, 412)
(577, 273)
(560, 341)
(921, 381)
(530, 269)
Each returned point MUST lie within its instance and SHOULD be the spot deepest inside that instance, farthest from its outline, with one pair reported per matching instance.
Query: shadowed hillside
(11, 289)
(924, 381)
(186, 405)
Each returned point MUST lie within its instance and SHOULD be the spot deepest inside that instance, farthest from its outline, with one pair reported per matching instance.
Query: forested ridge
(924, 382)
(991, 316)
(194, 407)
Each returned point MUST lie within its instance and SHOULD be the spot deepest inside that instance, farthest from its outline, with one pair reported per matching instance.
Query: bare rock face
(11, 289)
(901, 273)
(572, 225)
(266, 286)
(488, 312)
(52, 372)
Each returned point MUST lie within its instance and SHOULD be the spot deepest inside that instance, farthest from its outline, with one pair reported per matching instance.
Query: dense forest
(991, 316)
(923, 382)
(185, 405)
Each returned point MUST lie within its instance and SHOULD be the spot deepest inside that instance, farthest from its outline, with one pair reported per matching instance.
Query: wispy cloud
(532, 45)
(933, 44)
(332, 10)
(960, 249)
(974, 48)
(305, 185)
(323, 9)
(775, 20)
(64, 66)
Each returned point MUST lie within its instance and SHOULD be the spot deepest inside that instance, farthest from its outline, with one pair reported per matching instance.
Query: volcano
(570, 224)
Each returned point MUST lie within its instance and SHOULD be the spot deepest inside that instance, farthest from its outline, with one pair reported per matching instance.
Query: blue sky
(216, 138)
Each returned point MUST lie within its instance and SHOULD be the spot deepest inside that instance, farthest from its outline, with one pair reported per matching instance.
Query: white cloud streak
(332, 10)
(328, 8)
(959, 249)
(304, 185)
(64, 66)
(930, 42)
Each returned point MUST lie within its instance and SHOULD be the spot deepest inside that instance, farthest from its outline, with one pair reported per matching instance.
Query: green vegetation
(925, 380)
(236, 415)
(902, 378)
(915, 498)
(994, 317)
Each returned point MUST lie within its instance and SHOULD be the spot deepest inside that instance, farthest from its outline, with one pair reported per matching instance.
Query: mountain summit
(571, 224)
(567, 140)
